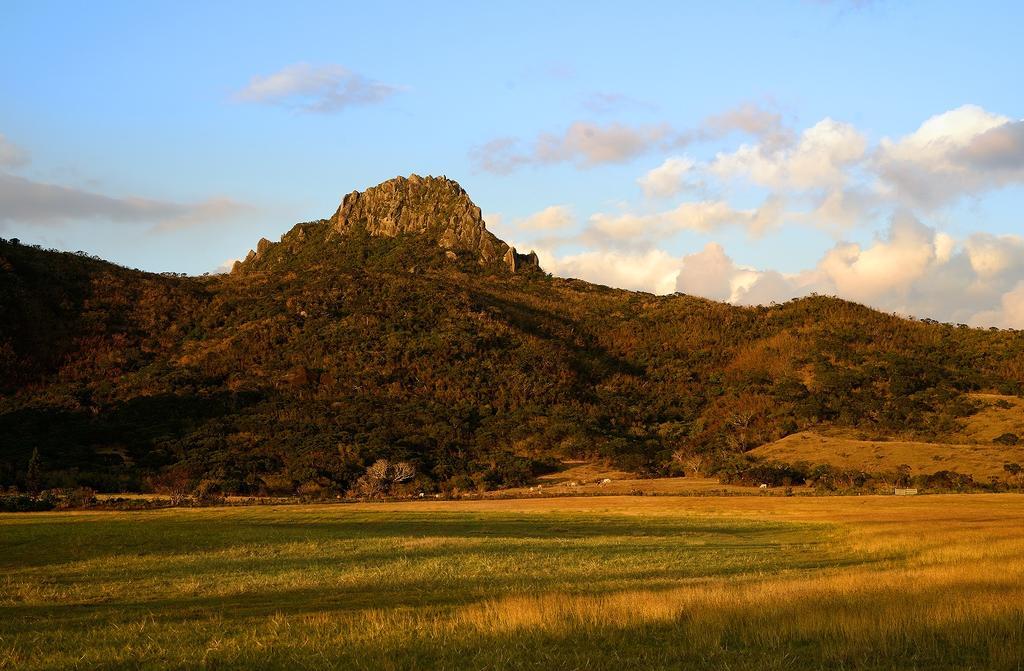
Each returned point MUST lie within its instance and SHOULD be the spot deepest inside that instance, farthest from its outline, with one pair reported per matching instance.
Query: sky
(743, 151)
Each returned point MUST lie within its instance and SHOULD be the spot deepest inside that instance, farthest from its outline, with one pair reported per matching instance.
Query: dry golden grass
(865, 582)
(581, 477)
(959, 567)
(978, 460)
(993, 421)
(972, 451)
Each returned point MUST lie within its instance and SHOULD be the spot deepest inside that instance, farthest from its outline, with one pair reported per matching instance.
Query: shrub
(80, 497)
(381, 476)
(208, 491)
(23, 503)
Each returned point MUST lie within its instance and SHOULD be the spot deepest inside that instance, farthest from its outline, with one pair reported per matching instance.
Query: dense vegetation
(324, 353)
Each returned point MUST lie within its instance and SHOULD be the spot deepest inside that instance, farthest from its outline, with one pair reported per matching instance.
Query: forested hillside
(401, 328)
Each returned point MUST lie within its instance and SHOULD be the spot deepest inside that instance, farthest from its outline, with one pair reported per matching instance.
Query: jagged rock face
(516, 261)
(436, 207)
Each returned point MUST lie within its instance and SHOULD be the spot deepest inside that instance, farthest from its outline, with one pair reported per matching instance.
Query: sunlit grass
(856, 582)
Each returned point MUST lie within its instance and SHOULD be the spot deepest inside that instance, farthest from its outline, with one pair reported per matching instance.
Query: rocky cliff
(435, 209)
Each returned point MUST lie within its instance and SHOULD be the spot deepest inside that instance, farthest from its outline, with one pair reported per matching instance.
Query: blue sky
(172, 136)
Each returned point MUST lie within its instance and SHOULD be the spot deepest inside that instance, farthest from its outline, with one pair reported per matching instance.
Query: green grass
(403, 587)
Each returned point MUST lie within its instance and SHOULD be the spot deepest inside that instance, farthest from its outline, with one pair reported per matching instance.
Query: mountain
(401, 328)
(432, 214)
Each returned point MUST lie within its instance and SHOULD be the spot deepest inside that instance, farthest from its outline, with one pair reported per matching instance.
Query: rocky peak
(435, 207)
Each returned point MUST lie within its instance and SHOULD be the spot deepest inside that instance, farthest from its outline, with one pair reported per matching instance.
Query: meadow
(927, 582)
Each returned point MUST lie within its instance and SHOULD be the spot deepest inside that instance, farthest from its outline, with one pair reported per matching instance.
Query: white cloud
(704, 216)
(582, 143)
(991, 256)
(886, 268)
(24, 202)
(226, 266)
(820, 158)
(11, 155)
(912, 270)
(833, 176)
(553, 218)
(962, 152)
(314, 88)
(587, 144)
(653, 270)
(828, 175)
(747, 118)
(1011, 309)
(708, 273)
(668, 179)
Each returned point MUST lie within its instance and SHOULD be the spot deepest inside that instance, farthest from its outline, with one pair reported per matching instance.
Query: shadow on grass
(58, 539)
(368, 560)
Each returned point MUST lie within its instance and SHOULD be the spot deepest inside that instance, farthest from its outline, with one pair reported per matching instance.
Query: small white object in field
(763, 486)
(606, 481)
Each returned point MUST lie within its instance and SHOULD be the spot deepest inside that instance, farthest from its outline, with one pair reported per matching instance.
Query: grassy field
(873, 456)
(971, 449)
(579, 583)
(586, 478)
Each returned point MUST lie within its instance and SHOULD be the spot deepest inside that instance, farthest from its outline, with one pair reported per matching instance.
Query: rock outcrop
(516, 261)
(435, 207)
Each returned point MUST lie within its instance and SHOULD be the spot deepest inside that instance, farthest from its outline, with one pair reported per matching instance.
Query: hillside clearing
(980, 461)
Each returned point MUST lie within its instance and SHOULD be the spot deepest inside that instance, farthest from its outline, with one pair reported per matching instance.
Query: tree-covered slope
(401, 328)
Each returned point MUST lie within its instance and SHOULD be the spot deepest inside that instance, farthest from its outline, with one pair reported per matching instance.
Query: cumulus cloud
(11, 155)
(749, 118)
(705, 216)
(962, 152)
(888, 267)
(838, 179)
(708, 273)
(1009, 313)
(314, 88)
(820, 158)
(553, 218)
(990, 255)
(652, 270)
(25, 202)
(830, 175)
(912, 269)
(589, 144)
(226, 266)
(701, 216)
(668, 179)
